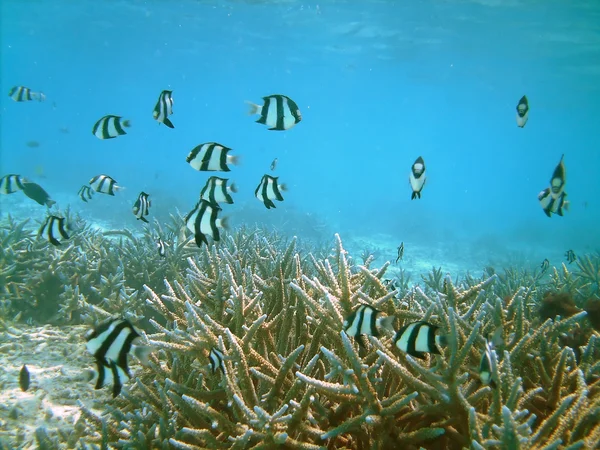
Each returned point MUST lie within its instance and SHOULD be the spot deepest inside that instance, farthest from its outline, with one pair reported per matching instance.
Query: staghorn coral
(293, 379)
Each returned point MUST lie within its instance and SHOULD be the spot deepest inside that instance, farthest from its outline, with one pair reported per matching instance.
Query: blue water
(378, 84)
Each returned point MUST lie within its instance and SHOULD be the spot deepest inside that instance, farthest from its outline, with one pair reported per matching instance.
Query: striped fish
(109, 127)
(104, 184)
(278, 112)
(164, 108)
(141, 207)
(418, 338)
(217, 191)
(203, 221)
(11, 183)
(85, 193)
(215, 358)
(269, 190)
(54, 228)
(24, 94)
(522, 111)
(364, 320)
(211, 156)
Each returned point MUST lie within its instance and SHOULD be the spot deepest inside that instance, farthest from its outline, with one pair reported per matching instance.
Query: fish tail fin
(282, 187)
(224, 222)
(253, 108)
(387, 323)
(233, 159)
(441, 340)
(567, 205)
(126, 123)
(233, 188)
(168, 123)
(142, 353)
(50, 202)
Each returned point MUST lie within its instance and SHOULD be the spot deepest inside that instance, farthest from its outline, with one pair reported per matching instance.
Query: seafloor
(275, 306)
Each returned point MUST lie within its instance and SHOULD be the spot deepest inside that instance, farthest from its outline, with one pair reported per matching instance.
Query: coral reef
(292, 378)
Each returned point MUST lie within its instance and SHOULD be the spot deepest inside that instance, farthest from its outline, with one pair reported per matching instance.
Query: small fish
(487, 365)
(211, 156)
(24, 378)
(24, 94)
(215, 358)
(11, 183)
(269, 190)
(109, 127)
(364, 320)
(400, 252)
(35, 192)
(545, 265)
(553, 199)
(85, 193)
(32, 144)
(164, 108)
(570, 255)
(278, 112)
(54, 228)
(418, 338)
(203, 221)
(110, 343)
(417, 178)
(161, 247)
(273, 164)
(522, 111)
(141, 207)
(216, 190)
(104, 184)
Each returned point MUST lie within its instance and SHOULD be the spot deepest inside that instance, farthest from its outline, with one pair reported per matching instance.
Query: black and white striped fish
(203, 221)
(104, 184)
(417, 178)
(211, 156)
(571, 256)
(164, 108)
(278, 112)
(85, 193)
(217, 191)
(109, 127)
(269, 190)
(110, 343)
(141, 207)
(216, 358)
(24, 94)
(418, 338)
(522, 111)
(487, 365)
(11, 183)
(54, 229)
(553, 199)
(364, 320)
(161, 247)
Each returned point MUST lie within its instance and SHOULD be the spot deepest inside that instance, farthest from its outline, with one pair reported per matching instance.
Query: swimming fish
(553, 199)
(216, 190)
(24, 378)
(364, 320)
(211, 156)
(24, 94)
(11, 183)
(164, 108)
(110, 343)
(278, 112)
(522, 111)
(141, 207)
(487, 364)
(417, 178)
(545, 265)
(269, 190)
(418, 338)
(35, 192)
(32, 144)
(161, 247)
(400, 252)
(274, 164)
(85, 193)
(203, 221)
(104, 184)
(215, 358)
(54, 228)
(109, 127)
(570, 255)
